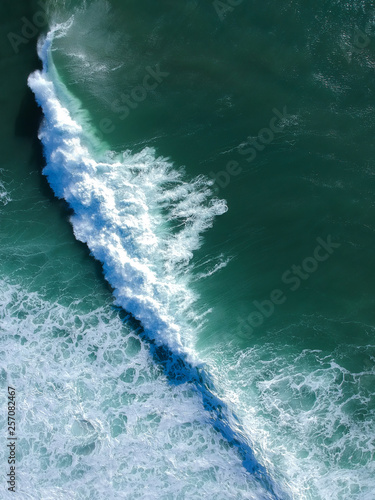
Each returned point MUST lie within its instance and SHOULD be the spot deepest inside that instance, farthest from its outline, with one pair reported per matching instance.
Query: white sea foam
(95, 416)
(136, 212)
(313, 418)
(4, 195)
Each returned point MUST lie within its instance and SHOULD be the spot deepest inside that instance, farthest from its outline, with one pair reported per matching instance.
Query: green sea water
(274, 103)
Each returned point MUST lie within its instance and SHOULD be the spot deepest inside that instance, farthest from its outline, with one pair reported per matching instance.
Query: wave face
(136, 213)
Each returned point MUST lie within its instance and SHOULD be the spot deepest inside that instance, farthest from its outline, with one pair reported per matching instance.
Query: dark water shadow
(178, 370)
(27, 124)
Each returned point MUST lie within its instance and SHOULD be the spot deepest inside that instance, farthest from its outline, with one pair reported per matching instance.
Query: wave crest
(136, 212)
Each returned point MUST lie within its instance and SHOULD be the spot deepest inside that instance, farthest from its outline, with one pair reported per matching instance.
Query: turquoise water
(219, 166)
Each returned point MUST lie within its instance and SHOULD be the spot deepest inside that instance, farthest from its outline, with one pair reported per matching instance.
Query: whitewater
(143, 220)
(96, 418)
(136, 214)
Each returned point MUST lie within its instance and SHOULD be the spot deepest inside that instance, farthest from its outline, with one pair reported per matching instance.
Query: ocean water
(186, 204)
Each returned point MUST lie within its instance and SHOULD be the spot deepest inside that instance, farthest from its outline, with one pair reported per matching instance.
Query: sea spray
(118, 203)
